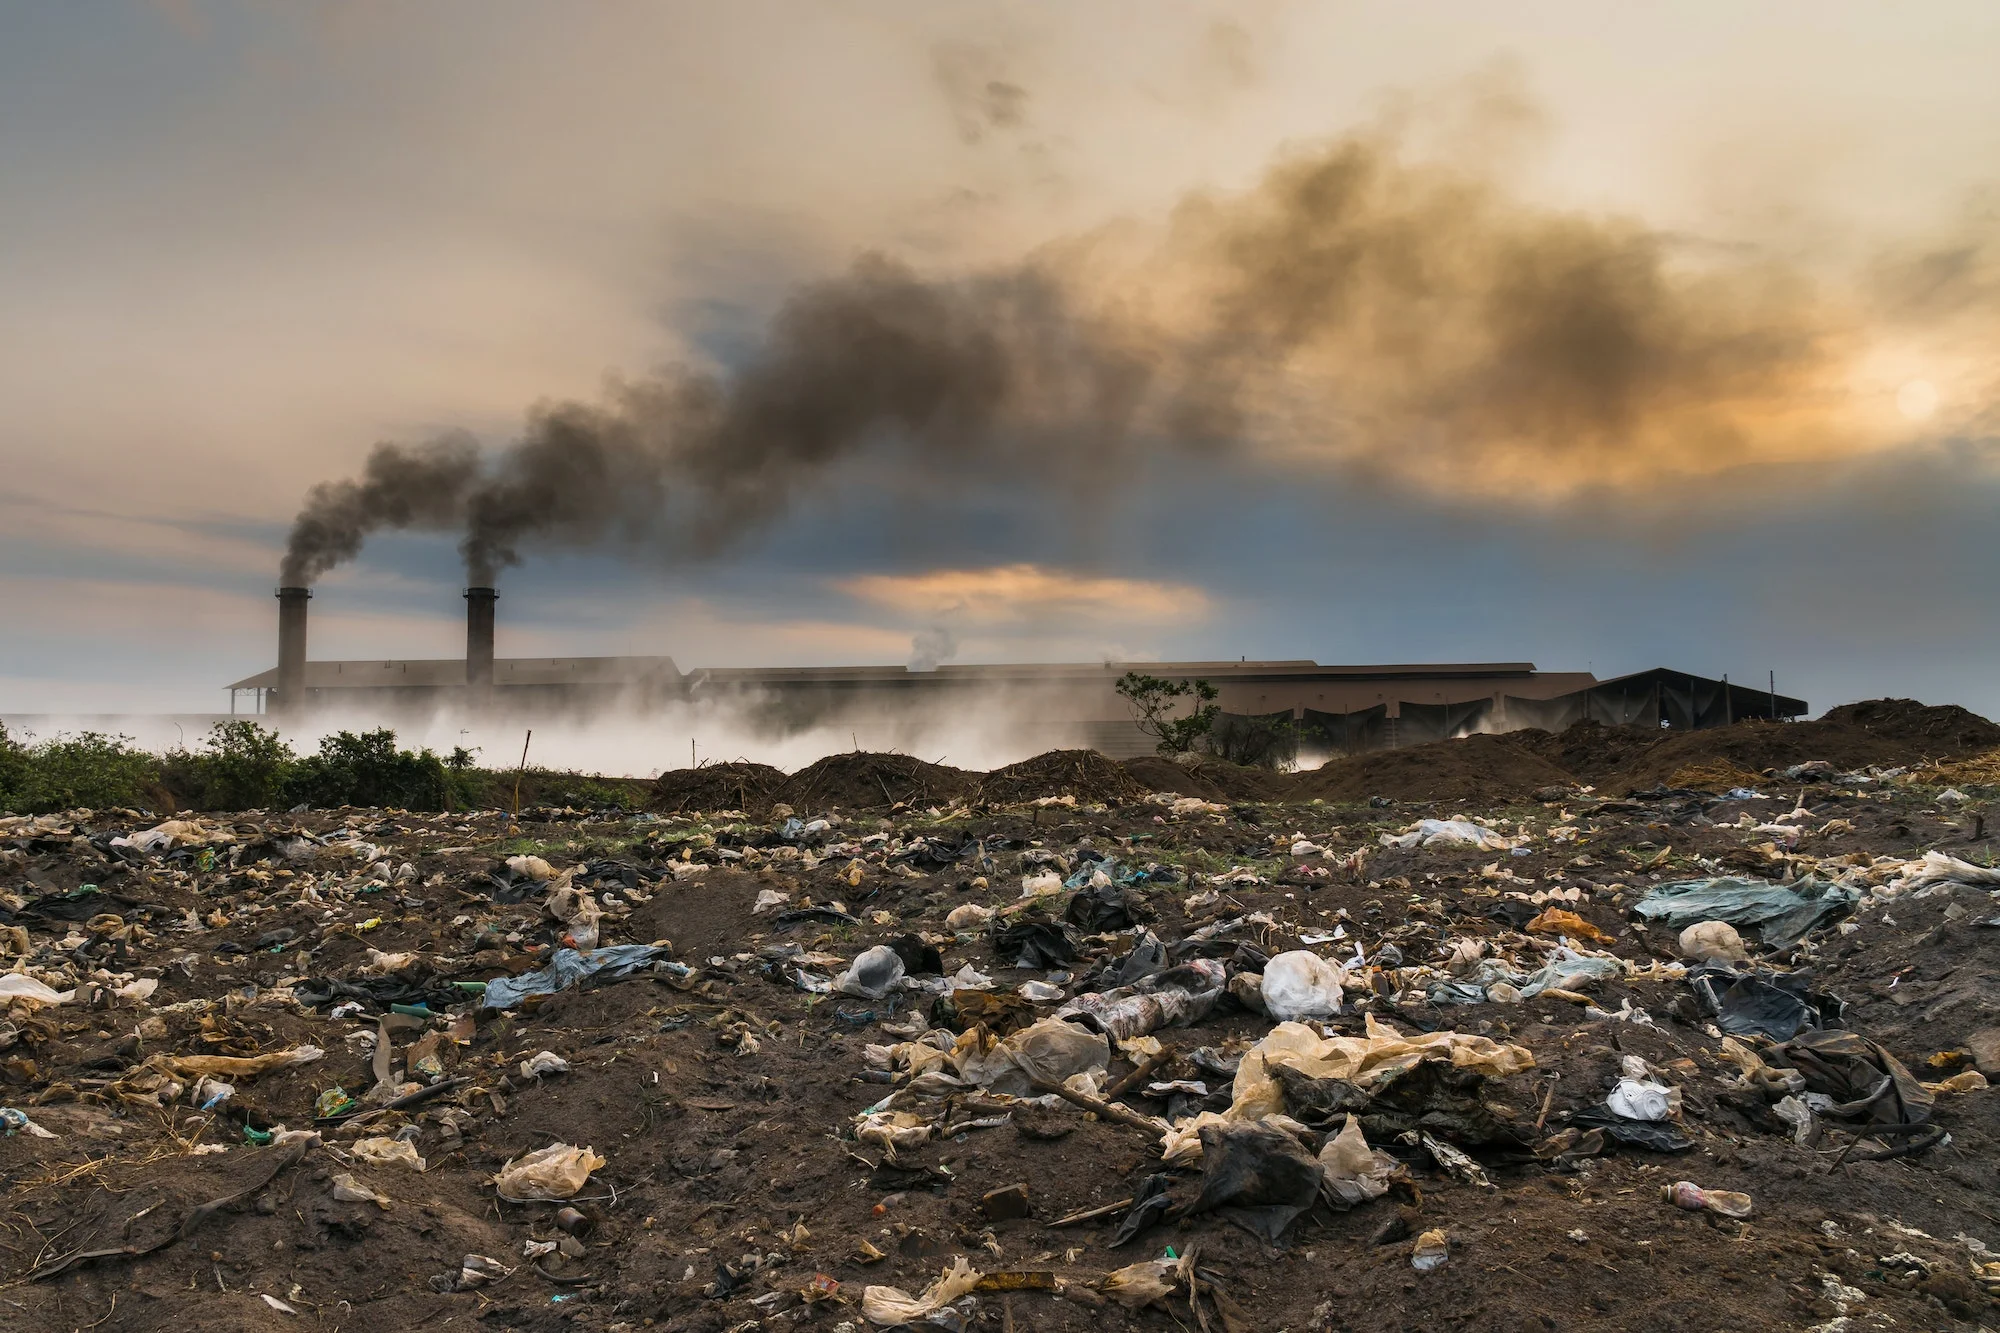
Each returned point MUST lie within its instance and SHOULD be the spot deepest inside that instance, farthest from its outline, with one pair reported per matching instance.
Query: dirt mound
(1212, 779)
(1929, 730)
(1757, 746)
(1490, 770)
(1084, 774)
(1590, 751)
(1158, 773)
(736, 785)
(861, 780)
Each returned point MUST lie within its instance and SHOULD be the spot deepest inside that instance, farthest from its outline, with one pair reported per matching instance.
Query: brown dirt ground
(712, 1155)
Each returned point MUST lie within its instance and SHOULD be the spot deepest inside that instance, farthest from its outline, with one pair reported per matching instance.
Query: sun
(1917, 400)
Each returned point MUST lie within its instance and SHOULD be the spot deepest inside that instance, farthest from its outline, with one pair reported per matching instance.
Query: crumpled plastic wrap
(555, 1172)
(889, 1306)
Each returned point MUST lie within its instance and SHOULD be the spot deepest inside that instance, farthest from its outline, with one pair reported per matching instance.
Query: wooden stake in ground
(522, 769)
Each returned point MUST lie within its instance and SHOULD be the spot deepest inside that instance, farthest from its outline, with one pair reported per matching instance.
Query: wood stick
(1103, 1109)
(1092, 1214)
(1140, 1074)
(522, 769)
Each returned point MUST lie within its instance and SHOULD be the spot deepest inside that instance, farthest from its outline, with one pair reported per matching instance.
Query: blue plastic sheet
(1781, 914)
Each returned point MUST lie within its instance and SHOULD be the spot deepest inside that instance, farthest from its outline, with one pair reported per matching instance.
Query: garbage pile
(1001, 1054)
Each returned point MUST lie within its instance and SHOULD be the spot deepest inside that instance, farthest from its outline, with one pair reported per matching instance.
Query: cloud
(1013, 593)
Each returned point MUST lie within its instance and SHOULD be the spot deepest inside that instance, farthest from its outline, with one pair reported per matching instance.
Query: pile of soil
(861, 780)
(1589, 751)
(1759, 747)
(736, 785)
(1084, 774)
(1491, 770)
(1159, 774)
(1944, 729)
(1212, 779)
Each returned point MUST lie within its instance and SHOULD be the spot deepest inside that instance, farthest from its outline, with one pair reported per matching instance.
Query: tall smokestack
(291, 694)
(479, 641)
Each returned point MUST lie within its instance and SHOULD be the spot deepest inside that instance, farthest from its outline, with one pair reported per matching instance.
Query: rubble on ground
(1057, 1048)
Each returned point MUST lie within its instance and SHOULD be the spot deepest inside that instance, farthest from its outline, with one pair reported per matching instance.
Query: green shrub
(86, 769)
(240, 766)
(367, 769)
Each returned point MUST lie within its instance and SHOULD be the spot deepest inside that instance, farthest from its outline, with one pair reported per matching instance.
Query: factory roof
(436, 673)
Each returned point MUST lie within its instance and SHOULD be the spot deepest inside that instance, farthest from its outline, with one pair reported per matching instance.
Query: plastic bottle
(1686, 1194)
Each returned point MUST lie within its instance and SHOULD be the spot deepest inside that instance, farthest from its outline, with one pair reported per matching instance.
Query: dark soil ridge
(1480, 769)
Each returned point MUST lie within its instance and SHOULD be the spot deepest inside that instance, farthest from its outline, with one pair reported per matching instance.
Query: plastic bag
(1641, 1099)
(871, 974)
(1713, 942)
(1050, 1051)
(889, 1306)
(968, 916)
(555, 1172)
(240, 1066)
(1462, 832)
(567, 968)
(1355, 1173)
(1137, 1286)
(384, 1151)
(1380, 1055)
(349, 1190)
(1258, 1176)
(1300, 984)
(577, 909)
(531, 867)
(21, 986)
(1781, 914)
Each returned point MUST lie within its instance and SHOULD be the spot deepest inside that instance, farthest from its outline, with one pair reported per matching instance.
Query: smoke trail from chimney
(1355, 314)
(402, 486)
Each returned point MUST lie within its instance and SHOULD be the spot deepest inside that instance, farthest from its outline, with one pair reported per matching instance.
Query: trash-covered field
(1513, 1033)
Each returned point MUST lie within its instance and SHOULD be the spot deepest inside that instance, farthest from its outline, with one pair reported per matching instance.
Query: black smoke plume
(417, 486)
(1355, 314)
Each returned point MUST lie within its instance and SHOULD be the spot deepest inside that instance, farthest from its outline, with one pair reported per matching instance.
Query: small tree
(368, 769)
(1156, 702)
(245, 766)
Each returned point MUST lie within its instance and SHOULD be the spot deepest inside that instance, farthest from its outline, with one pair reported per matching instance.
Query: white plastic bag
(1713, 942)
(871, 974)
(1300, 984)
(968, 916)
(1641, 1099)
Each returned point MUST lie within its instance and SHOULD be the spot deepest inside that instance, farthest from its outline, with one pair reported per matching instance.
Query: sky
(1602, 337)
